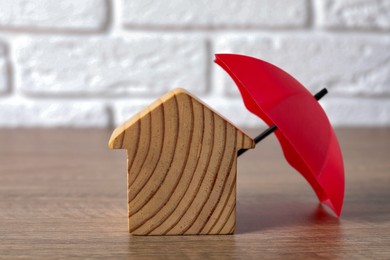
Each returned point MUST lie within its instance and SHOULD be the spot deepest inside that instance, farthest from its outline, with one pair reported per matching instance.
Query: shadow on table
(252, 217)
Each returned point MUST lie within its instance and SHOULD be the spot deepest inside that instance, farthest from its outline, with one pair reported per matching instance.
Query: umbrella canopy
(303, 129)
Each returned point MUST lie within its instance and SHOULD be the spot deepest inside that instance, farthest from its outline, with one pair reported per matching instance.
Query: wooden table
(63, 195)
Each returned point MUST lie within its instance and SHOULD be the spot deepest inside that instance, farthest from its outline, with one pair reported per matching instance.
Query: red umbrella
(302, 127)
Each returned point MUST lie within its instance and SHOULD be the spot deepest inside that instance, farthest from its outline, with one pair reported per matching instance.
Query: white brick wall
(109, 66)
(17, 112)
(93, 63)
(3, 68)
(207, 14)
(354, 14)
(34, 15)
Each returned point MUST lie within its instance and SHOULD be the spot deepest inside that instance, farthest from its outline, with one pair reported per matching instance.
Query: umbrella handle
(272, 128)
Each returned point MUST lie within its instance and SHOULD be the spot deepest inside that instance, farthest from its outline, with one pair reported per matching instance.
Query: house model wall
(182, 165)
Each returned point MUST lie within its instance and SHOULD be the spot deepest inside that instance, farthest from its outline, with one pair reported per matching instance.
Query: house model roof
(178, 105)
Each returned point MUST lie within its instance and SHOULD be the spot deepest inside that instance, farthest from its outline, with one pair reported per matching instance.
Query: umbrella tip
(218, 56)
(334, 208)
(321, 93)
(221, 55)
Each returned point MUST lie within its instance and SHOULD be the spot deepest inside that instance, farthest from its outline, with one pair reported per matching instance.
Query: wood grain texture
(181, 167)
(63, 196)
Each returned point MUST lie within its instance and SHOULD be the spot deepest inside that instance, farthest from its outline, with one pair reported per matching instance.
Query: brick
(358, 111)
(347, 65)
(48, 14)
(135, 64)
(354, 14)
(342, 111)
(3, 69)
(17, 112)
(216, 13)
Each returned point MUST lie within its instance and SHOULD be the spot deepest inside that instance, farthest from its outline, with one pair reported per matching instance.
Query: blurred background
(94, 63)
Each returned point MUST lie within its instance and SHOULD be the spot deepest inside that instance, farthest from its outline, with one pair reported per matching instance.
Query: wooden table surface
(63, 195)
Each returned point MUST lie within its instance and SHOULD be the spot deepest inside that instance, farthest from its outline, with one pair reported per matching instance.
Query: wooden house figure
(182, 165)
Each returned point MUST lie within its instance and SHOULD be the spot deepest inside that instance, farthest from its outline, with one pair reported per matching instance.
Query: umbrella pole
(272, 129)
